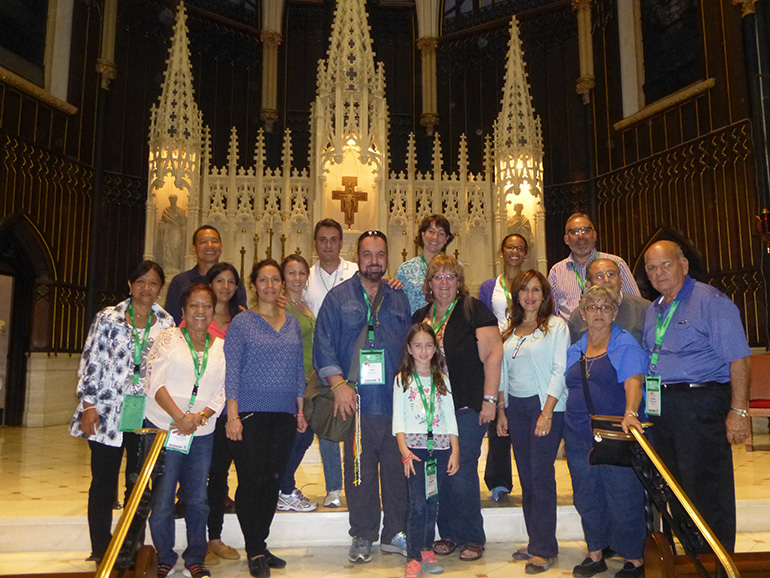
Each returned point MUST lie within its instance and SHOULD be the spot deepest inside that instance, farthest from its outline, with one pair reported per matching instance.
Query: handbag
(611, 445)
(319, 397)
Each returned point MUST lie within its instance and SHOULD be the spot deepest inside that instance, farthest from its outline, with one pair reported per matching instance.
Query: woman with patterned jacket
(112, 369)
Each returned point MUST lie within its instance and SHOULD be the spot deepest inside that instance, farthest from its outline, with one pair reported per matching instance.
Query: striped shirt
(567, 288)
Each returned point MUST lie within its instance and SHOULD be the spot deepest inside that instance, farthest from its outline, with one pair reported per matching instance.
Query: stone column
(429, 119)
(587, 80)
(270, 42)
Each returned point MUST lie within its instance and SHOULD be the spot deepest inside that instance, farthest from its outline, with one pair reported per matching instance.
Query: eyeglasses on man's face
(577, 231)
(605, 275)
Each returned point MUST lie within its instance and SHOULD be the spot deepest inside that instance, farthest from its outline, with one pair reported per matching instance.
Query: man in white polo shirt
(330, 270)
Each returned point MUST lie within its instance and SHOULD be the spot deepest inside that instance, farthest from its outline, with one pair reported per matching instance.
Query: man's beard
(373, 276)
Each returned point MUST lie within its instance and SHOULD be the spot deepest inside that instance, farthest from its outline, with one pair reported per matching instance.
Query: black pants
(105, 472)
(691, 438)
(217, 489)
(380, 465)
(498, 471)
(260, 459)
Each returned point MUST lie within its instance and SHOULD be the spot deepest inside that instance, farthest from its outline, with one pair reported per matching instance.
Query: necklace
(321, 271)
(590, 362)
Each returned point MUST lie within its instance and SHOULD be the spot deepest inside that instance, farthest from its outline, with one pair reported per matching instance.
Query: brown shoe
(223, 550)
(211, 558)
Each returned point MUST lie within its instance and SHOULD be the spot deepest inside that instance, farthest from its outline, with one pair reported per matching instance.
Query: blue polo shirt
(705, 335)
(342, 316)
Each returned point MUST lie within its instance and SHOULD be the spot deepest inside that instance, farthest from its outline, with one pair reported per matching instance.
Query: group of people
(425, 371)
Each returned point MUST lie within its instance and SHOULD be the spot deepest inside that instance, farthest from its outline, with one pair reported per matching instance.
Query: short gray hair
(599, 293)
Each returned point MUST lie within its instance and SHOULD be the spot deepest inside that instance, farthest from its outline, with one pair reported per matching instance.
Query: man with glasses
(697, 384)
(568, 277)
(632, 309)
(358, 338)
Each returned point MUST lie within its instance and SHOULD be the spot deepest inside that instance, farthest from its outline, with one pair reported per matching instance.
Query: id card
(132, 413)
(652, 383)
(178, 442)
(431, 479)
(372, 367)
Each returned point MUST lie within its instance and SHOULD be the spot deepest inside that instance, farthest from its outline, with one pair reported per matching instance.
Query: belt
(684, 386)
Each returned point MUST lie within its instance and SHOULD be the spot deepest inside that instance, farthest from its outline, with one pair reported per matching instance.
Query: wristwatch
(490, 399)
(204, 419)
(632, 414)
(740, 412)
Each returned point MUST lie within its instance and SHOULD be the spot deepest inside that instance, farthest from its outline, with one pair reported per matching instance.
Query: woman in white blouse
(185, 390)
(531, 406)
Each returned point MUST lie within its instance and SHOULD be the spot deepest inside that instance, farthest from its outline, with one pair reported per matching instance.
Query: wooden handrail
(724, 558)
(105, 567)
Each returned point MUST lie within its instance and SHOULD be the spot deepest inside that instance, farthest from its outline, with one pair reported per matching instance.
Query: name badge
(178, 442)
(372, 367)
(132, 412)
(431, 479)
(652, 384)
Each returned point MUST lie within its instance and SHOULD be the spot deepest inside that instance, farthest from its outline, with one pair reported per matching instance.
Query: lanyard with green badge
(446, 315)
(372, 361)
(431, 479)
(581, 281)
(132, 411)
(175, 440)
(504, 285)
(652, 382)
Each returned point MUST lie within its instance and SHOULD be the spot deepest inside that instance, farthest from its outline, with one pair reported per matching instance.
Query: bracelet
(491, 399)
(85, 409)
(204, 419)
(632, 414)
(229, 421)
(344, 382)
(501, 405)
(407, 458)
(740, 412)
(300, 415)
(546, 417)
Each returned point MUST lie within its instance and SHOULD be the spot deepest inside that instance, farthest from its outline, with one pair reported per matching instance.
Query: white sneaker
(332, 499)
(295, 502)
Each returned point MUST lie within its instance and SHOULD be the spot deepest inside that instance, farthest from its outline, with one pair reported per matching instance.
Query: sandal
(471, 553)
(444, 547)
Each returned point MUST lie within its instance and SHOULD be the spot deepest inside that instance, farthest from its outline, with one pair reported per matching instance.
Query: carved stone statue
(169, 246)
(520, 224)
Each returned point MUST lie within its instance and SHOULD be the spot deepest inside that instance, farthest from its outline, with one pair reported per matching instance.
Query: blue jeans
(421, 515)
(535, 457)
(609, 499)
(331, 458)
(302, 442)
(460, 520)
(191, 471)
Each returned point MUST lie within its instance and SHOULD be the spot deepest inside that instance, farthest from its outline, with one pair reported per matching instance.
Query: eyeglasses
(445, 277)
(605, 275)
(378, 234)
(577, 231)
(518, 346)
(519, 248)
(602, 308)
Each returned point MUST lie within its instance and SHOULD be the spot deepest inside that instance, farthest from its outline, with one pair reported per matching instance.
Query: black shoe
(630, 571)
(589, 568)
(258, 567)
(95, 558)
(274, 561)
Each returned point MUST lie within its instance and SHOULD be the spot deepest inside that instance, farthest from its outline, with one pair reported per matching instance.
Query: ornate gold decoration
(271, 38)
(747, 7)
(35, 91)
(427, 44)
(664, 103)
(107, 70)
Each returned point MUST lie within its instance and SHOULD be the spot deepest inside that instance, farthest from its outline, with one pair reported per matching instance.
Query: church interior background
(125, 124)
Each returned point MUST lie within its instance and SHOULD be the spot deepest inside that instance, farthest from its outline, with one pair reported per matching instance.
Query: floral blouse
(106, 369)
(410, 417)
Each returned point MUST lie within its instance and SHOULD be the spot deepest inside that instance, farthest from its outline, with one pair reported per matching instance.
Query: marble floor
(45, 473)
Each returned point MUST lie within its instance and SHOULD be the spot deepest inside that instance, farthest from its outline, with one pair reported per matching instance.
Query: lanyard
(660, 332)
(369, 314)
(447, 313)
(424, 262)
(139, 345)
(581, 281)
(198, 369)
(504, 285)
(430, 408)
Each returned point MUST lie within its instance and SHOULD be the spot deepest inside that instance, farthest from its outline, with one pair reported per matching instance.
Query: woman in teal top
(295, 273)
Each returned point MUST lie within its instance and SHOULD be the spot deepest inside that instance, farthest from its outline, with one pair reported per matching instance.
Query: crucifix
(348, 198)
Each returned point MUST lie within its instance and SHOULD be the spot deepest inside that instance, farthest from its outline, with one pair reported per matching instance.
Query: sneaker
(332, 499)
(196, 571)
(413, 569)
(588, 568)
(396, 546)
(360, 550)
(538, 564)
(295, 502)
(499, 492)
(430, 564)
(165, 570)
(630, 571)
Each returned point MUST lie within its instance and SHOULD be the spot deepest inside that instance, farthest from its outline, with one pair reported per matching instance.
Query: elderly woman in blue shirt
(609, 499)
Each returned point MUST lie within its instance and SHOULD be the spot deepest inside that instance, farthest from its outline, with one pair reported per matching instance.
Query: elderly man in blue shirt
(700, 358)
(366, 307)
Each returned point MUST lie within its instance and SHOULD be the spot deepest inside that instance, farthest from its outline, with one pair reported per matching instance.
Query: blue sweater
(265, 372)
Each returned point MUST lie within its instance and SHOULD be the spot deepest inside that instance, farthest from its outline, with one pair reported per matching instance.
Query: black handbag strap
(586, 392)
